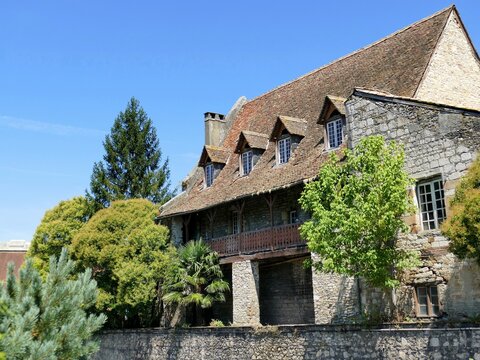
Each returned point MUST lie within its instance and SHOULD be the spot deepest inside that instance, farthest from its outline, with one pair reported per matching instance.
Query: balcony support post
(270, 199)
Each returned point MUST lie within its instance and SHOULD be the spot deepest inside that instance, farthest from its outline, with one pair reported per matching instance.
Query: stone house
(419, 86)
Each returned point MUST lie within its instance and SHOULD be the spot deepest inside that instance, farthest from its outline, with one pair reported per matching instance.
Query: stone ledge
(398, 327)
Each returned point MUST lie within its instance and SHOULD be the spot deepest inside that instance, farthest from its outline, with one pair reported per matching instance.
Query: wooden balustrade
(268, 239)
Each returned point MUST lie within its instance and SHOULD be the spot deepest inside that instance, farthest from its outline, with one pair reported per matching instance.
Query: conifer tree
(48, 319)
(132, 166)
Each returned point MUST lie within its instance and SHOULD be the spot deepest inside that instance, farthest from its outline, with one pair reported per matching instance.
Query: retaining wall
(293, 342)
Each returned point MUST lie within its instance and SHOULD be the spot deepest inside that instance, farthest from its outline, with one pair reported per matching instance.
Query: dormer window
(283, 149)
(335, 132)
(209, 170)
(287, 133)
(332, 117)
(213, 159)
(250, 147)
(246, 162)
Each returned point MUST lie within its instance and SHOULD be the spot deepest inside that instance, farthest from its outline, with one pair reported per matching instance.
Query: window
(283, 150)
(432, 203)
(293, 217)
(235, 222)
(208, 174)
(427, 301)
(335, 133)
(247, 162)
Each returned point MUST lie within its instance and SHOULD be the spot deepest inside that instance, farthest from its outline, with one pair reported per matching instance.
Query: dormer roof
(294, 126)
(330, 105)
(252, 139)
(213, 154)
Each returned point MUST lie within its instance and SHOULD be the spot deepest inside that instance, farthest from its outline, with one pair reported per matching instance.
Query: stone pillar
(335, 297)
(176, 231)
(245, 282)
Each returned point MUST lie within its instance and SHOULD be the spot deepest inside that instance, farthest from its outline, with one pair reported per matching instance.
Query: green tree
(128, 254)
(132, 166)
(57, 229)
(196, 278)
(48, 319)
(463, 223)
(357, 207)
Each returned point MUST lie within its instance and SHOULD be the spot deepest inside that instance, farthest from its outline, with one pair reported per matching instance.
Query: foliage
(132, 166)
(197, 277)
(48, 319)
(463, 223)
(216, 323)
(57, 229)
(128, 253)
(357, 207)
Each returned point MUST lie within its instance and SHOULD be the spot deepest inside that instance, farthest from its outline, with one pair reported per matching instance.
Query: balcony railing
(269, 239)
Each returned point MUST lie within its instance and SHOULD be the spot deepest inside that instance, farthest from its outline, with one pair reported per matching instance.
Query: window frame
(293, 217)
(338, 119)
(431, 304)
(249, 154)
(437, 195)
(287, 149)
(209, 171)
(236, 222)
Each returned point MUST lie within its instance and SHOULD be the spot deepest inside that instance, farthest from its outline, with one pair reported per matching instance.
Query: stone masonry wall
(293, 342)
(438, 142)
(453, 75)
(335, 297)
(245, 282)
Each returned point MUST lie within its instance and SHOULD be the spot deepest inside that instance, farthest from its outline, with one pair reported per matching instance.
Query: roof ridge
(449, 8)
(361, 91)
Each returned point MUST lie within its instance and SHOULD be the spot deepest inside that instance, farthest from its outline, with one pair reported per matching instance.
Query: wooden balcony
(268, 239)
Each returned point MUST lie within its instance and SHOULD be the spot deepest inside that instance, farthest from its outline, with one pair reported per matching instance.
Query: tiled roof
(394, 64)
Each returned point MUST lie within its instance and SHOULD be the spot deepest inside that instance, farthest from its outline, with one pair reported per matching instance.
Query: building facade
(419, 86)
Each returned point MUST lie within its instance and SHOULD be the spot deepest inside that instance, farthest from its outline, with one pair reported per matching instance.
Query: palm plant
(196, 278)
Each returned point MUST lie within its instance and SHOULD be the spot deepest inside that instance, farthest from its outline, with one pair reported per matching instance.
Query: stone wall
(293, 342)
(453, 75)
(440, 142)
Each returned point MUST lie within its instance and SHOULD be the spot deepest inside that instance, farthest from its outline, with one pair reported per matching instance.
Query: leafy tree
(48, 319)
(196, 278)
(132, 166)
(128, 253)
(463, 223)
(357, 207)
(57, 229)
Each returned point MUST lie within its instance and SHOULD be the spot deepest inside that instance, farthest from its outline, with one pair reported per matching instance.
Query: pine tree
(48, 319)
(132, 166)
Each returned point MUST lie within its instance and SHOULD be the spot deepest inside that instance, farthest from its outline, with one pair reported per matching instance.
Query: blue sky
(68, 67)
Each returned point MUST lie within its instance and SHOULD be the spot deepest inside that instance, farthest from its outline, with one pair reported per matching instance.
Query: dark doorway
(224, 310)
(286, 294)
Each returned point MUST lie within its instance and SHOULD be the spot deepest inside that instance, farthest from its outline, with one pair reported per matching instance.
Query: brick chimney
(215, 127)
